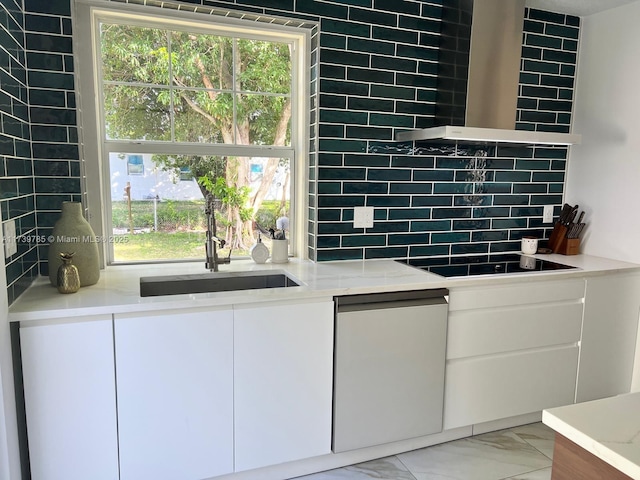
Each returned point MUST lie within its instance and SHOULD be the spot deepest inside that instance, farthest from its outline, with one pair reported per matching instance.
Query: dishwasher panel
(389, 367)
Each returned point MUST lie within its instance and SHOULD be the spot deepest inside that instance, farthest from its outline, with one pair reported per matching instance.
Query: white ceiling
(580, 8)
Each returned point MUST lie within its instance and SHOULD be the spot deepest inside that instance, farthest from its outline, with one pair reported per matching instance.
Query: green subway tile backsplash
(562, 31)
(469, 248)
(393, 63)
(372, 17)
(45, 162)
(355, 29)
(432, 201)
(378, 63)
(394, 35)
(364, 241)
(315, 7)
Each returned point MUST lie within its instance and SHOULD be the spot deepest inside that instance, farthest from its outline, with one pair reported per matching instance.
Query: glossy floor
(520, 453)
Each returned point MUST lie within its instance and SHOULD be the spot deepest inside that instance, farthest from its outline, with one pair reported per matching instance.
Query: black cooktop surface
(483, 264)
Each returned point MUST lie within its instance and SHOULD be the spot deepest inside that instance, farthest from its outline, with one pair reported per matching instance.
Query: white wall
(154, 181)
(604, 171)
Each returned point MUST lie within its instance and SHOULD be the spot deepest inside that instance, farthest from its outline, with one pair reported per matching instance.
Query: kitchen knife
(564, 213)
(572, 215)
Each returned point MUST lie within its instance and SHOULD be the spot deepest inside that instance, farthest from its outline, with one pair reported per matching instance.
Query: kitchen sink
(213, 282)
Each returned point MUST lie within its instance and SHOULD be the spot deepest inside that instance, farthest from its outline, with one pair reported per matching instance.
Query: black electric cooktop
(483, 264)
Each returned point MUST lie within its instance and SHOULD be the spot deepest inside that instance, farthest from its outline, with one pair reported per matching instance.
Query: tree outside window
(175, 91)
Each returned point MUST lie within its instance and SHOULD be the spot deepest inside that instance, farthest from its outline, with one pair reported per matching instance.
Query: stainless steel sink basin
(213, 282)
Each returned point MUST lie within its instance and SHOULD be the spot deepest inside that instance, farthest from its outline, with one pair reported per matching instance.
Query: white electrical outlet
(10, 244)
(363, 217)
(547, 214)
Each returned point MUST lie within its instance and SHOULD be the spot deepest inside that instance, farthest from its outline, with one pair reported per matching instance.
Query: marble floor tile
(537, 435)
(544, 474)
(389, 468)
(520, 453)
(491, 456)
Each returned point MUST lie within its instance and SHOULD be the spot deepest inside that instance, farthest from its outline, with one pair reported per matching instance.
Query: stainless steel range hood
(479, 79)
(476, 134)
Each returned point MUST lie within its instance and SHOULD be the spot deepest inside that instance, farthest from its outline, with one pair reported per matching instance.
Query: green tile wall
(17, 196)
(52, 102)
(40, 161)
(378, 63)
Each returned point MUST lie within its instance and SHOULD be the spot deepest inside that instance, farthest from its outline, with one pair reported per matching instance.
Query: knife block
(557, 237)
(569, 246)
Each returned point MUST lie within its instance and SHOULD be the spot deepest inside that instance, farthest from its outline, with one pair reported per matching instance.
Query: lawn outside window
(175, 108)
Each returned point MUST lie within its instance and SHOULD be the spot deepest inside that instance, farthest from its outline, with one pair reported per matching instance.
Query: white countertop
(118, 289)
(607, 428)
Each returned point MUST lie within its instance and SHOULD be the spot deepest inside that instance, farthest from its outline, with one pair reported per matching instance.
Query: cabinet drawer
(487, 331)
(512, 295)
(489, 388)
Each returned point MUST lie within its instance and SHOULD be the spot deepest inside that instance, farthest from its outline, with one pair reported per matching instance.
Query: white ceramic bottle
(259, 252)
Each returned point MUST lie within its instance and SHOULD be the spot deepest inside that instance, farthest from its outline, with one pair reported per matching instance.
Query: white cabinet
(70, 399)
(175, 394)
(511, 349)
(612, 306)
(283, 357)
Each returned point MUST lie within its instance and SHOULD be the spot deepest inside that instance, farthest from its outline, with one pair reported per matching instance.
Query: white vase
(73, 234)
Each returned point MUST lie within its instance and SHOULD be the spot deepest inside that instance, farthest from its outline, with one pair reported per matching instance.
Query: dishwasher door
(389, 367)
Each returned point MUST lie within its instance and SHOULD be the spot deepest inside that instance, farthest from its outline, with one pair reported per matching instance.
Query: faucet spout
(212, 260)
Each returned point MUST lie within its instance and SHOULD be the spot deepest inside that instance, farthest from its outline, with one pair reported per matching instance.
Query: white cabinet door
(611, 312)
(175, 394)
(70, 399)
(482, 389)
(283, 380)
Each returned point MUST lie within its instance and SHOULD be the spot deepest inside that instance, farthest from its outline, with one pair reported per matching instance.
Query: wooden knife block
(557, 236)
(559, 243)
(570, 246)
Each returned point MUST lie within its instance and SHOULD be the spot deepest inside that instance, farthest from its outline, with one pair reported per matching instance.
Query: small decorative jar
(68, 276)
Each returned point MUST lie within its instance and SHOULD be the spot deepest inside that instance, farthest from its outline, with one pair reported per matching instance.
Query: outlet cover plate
(547, 214)
(363, 217)
(10, 244)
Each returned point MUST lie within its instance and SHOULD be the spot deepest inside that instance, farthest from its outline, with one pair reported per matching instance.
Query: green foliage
(172, 215)
(198, 95)
(181, 232)
(231, 197)
(160, 246)
(269, 212)
(167, 85)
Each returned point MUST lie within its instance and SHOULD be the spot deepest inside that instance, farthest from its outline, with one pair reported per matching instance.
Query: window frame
(95, 148)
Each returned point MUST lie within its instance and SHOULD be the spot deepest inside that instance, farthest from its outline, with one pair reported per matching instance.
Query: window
(219, 102)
